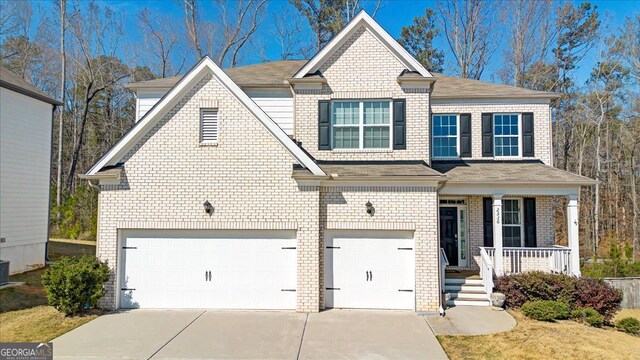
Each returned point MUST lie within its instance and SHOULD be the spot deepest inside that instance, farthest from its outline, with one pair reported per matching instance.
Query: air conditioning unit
(4, 272)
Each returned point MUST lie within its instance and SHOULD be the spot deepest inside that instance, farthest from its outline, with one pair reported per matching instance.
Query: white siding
(277, 103)
(145, 100)
(25, 163)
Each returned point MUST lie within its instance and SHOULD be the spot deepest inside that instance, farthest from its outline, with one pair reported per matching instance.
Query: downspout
(46, 244)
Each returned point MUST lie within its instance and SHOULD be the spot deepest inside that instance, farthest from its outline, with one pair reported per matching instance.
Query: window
(209, 126)
(361, 124)
(445, 136)
(506, 128)
(511, 223)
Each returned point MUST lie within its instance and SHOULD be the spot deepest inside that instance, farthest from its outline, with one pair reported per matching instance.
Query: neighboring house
(26, 118)
(350, 180)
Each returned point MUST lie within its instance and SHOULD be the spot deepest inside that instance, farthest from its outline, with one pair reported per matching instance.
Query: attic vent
(208, 125)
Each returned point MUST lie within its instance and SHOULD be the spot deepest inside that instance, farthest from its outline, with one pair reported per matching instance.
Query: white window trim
(521, 225)
(361, 126)
(457, 137)
(493, 119)
(209, 142)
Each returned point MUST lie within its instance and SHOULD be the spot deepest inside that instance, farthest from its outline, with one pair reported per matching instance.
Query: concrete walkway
(471, 320)
(199, 334)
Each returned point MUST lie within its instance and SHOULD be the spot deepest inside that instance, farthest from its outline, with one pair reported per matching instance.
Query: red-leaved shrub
(596, 294)
(581, 292)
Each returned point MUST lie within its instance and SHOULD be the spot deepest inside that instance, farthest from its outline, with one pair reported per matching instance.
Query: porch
(497, 218)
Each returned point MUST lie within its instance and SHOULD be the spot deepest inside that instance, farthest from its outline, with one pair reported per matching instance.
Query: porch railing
(556, 259)
(444, 262)
(486, 272)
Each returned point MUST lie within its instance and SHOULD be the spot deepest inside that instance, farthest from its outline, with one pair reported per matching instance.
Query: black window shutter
(399, 124)
(465, 135)
(527, 135)
(487, 216)
(530, 222)
(324, 125)
(487, 135)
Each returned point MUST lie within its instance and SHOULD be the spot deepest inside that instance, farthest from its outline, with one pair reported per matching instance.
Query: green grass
(24, 313)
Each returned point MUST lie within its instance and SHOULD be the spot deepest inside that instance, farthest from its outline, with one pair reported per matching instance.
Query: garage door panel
(370, 270)
(170, 272)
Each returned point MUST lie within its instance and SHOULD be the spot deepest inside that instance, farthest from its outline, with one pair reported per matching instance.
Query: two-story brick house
(351, 180)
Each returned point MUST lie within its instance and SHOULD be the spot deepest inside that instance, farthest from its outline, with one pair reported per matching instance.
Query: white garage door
(370, 270)
(205, 269)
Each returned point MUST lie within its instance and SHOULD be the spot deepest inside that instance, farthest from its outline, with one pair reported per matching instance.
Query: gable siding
(363, 68)
(25, 165)
(541, 122)
(246, 177)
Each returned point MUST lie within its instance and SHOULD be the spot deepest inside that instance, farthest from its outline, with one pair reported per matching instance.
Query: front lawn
(24, 313)
(532, 339)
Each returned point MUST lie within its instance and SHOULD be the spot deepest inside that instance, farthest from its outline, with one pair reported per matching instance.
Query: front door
(449, 233)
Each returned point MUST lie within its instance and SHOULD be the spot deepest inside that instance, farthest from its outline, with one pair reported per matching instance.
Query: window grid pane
(376, 112)
(346, 137)
(376, 137)
(375, 121)
(445, 135)
(506, 133)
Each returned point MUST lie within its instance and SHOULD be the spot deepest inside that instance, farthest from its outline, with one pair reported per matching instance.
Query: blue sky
(393, 15)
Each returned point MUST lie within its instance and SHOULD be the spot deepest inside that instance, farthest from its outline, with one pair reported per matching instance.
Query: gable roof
(362, 19)
(275, 74)
(451, 87)
(204, 66)
(13, 82)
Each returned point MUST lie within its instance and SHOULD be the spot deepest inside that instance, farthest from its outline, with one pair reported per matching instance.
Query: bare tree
(287, 32)
(161, 41)
(531, 35)
(191, 23)
(239, 27)
(63, 77)
(469, 32)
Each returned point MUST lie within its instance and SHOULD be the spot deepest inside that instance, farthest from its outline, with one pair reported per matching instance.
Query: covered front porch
(498, 219)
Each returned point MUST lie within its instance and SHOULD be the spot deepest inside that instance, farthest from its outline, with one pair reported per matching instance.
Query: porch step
(469, 295)
(464, 287)
(468, 302)
(456, 281)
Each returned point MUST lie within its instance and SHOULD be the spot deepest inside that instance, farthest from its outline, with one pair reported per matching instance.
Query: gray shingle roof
(276, 73)
(339, 169)
(507, 172)
(13, 82)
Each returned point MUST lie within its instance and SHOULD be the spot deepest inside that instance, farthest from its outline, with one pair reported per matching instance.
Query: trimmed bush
(74, 285)
(598, 295)
(545, 310)
(589, 316)
(536, 285)
(581, 292)
(629, 325)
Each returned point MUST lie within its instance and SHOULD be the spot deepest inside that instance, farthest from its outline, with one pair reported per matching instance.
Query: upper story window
(445, 136)
(506, 134)
(208, 126)
(361, 124)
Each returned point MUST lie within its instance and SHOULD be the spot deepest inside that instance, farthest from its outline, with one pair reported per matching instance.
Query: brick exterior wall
(363, 68)
(542, 123)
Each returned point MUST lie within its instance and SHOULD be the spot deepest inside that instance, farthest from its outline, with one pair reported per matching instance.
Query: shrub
(74, 285)
(536, 285)
(545, 310)
(589, 316)
(581, 292)
(630, 325)
(598, 295)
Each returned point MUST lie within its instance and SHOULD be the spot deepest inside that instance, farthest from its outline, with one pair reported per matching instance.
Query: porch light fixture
(208, 208)
(370, 209)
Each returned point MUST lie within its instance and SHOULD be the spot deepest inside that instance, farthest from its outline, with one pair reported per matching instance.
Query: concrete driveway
(198, 334)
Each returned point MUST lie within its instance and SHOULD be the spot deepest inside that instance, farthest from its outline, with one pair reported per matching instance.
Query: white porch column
(497, 234)
(572, 231)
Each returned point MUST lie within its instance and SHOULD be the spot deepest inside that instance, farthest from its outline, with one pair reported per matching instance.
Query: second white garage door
(370, 270)
(208, 269)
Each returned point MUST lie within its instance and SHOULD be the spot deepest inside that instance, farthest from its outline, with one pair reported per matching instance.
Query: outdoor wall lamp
(370, 209)
(208, 208)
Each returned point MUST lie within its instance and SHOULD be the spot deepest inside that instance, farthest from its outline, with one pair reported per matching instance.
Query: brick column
(308, 248)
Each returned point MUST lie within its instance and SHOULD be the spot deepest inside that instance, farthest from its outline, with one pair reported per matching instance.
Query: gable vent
(209, 125)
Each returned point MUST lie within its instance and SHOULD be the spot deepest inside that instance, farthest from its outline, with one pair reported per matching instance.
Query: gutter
(46, 244)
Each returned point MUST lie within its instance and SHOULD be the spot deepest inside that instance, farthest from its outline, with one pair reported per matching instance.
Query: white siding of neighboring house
(277, 103)
(25, 163)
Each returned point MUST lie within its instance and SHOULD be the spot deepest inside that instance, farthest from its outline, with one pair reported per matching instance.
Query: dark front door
(449, 233)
